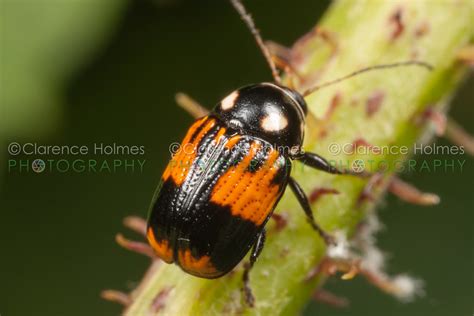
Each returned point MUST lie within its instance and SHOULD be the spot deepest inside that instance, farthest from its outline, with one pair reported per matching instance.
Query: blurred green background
(83, 72)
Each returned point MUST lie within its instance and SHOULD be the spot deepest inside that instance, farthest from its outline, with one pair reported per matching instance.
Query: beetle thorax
(273, 113)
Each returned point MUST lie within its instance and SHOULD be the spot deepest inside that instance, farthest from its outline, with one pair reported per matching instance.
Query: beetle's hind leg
(256, 250)
(304, 202)
(190, 105)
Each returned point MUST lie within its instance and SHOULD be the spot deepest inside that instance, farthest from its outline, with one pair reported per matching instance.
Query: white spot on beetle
(229, 101)
(274, 122)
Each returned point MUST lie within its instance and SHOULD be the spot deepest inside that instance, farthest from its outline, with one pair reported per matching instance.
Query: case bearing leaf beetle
(218, 192)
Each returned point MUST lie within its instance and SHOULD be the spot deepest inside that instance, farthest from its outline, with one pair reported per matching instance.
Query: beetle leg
(317, 162)
(190, 105)
(256, 250)
(304, 202)
(401, 189)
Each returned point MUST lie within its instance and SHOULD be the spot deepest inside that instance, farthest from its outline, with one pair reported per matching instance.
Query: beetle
(218, 192)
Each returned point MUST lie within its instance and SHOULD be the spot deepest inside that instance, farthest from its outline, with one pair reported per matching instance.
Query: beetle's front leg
(256, 250)
(317, 162)
(304, 202)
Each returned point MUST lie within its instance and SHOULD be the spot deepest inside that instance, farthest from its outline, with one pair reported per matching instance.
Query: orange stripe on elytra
(242, 186)
(161, 248)
(257, 205)
(230, 180)
(181, 163)
(219, 134)
(250, 195)
(232, 141)
(189, 134)
(200, 266)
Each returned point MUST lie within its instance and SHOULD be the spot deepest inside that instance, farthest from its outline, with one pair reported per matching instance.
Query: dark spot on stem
(316, 194)
(396, 21)
(374, 101)
(159, 302)
(281, 220)
(361, 142)
(335, 101)
(422, 29)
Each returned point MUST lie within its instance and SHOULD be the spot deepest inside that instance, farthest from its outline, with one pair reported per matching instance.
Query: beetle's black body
(219, 191)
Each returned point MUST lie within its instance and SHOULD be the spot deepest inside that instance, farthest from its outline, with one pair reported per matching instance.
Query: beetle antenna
(247, 18)
(367, 69)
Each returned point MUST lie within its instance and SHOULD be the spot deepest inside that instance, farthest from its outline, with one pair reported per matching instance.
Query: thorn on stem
(116, 297)
(466, 55)
(331, 299)
(401, 286)
(366, 194)
(135, 246)
(135, 223)
(190, 105)
(437, 118)
(410, 193)
(457, 135)
(316, 270)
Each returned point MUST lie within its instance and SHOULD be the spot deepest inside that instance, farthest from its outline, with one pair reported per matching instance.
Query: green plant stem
(433, 31)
